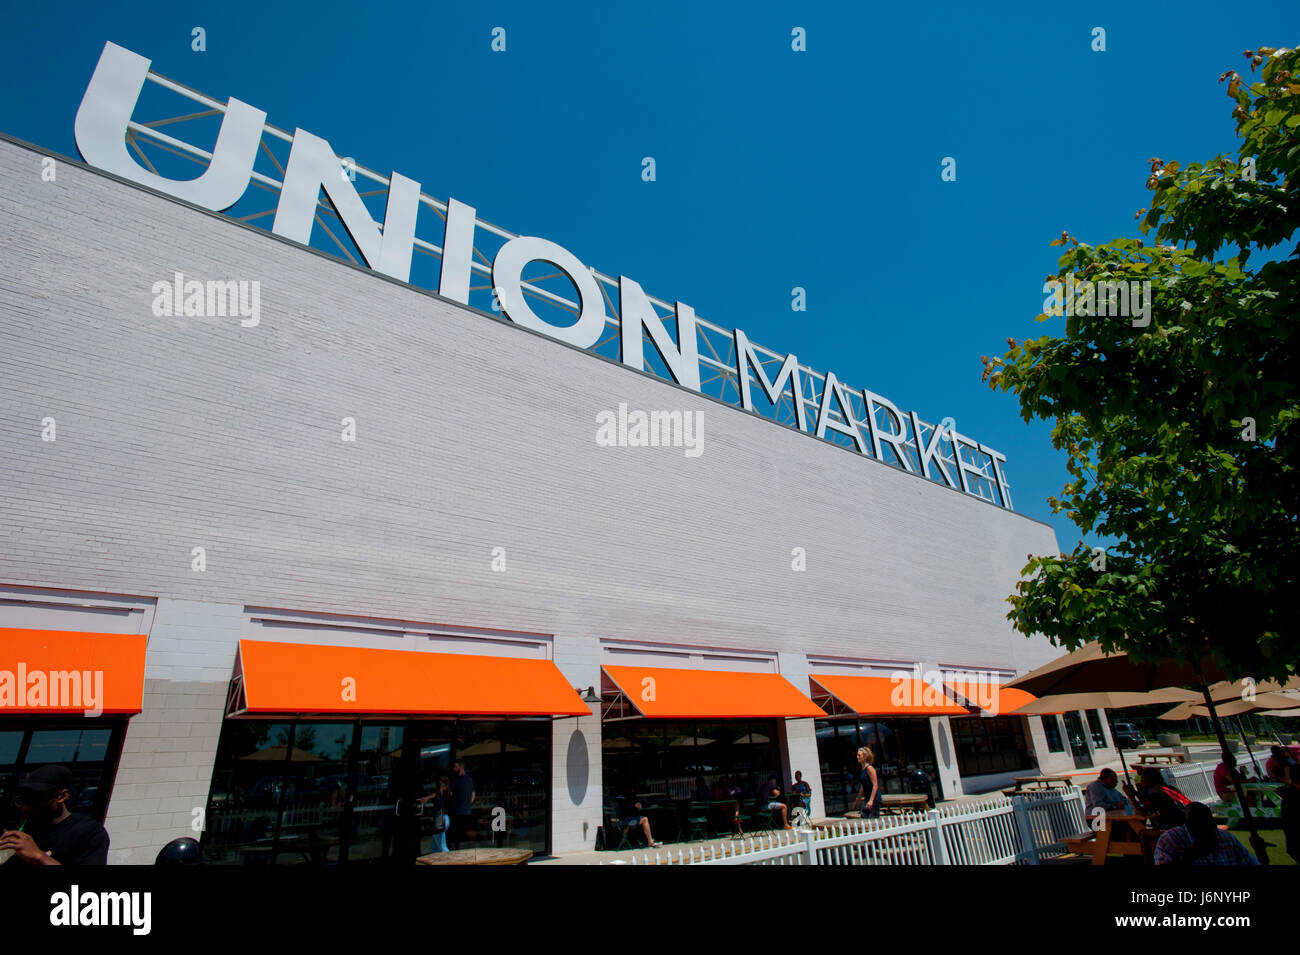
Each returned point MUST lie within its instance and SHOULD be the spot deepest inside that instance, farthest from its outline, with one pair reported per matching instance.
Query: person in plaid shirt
(1200, 842)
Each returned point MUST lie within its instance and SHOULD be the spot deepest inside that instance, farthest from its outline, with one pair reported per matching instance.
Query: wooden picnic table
(1123, 835)
(1160, 759)
(1034, 783)
(311, 842)
(904, 802)
(1265, 802)
(889, 802)
(477, 857)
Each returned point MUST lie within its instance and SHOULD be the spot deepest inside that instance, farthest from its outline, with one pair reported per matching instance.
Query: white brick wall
(166, 766)
(472, 434)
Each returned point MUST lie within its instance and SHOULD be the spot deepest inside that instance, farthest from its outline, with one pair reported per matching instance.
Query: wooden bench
(1081, 846)
(1122, 836)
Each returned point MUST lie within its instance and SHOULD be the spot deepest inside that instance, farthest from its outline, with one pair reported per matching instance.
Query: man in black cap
(50, 835)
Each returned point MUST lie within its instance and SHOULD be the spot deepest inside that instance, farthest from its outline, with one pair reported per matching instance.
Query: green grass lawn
(1276, 843)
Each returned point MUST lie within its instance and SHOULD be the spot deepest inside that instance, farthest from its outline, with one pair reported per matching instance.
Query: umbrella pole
(1122, 764)
(1256, 840)
(1249, 752)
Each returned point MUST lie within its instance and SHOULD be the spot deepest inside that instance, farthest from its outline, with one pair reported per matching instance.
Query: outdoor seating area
(690, 820)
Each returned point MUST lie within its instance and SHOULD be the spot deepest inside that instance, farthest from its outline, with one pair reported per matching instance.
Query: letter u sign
(104, 117)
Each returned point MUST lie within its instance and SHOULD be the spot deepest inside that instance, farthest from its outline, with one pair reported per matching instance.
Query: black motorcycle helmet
(183, 851)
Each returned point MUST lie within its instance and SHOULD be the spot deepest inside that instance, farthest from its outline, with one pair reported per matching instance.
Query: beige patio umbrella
(1090, 668)
(1067, 702)
(1230, 690)
(1262, 701)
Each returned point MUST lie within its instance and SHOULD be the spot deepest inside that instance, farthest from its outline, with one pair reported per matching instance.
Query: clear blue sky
(775, 169)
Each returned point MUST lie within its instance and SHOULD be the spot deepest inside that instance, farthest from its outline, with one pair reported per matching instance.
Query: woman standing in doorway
(441, 799)
(869, 794)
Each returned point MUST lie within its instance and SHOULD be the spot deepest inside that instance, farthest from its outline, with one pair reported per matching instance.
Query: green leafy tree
(1180, 431)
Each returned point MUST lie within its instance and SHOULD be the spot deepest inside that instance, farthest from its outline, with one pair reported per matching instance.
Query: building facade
(375, 470)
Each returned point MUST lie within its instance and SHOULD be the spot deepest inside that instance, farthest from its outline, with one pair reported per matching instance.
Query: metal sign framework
(892, 436)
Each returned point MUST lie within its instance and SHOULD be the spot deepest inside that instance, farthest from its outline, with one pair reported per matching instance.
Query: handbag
(440, 822)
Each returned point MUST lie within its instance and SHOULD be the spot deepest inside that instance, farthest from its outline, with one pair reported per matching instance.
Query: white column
(945, 757)
(576, 777)
(799, 737)
(167, 758)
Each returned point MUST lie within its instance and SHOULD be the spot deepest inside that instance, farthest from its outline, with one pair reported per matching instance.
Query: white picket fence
(1195, 781)
(1020, 830)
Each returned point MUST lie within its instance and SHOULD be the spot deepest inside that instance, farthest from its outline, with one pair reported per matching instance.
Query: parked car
(1127, 736)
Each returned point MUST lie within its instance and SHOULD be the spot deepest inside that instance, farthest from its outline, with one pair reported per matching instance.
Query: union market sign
(794, 394)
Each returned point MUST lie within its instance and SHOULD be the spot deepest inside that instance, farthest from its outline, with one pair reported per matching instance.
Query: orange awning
(66, 671)
(299, 678)
(885, 696)
(1002, 701)
(710, 694)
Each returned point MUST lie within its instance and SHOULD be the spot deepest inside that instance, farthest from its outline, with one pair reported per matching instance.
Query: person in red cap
(49, 834)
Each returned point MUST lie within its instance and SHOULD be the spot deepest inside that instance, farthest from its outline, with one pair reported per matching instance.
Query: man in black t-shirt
(50, 835)
(1163, 805)
(462, 802)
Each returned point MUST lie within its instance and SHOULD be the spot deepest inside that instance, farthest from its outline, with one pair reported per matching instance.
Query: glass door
(374, 790)
(1078, 742)
(423, 759)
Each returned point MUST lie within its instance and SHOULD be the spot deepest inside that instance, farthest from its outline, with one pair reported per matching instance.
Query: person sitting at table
(721, 789)
(1101, 794)
(1163, 805)
(726, 795)
(1278, 763)
(802, 791)
(703, 792)
(1224, 775)
(774, 803)
(1200, 842)
(631, 817)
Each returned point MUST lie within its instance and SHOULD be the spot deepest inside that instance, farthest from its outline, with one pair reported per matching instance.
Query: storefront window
(989, 745)
(330, 792)
(903, 751)
(668, 763)
(68, 746)
(510, 766)
(1052, 730)
(88, 747)
(1094, 726)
